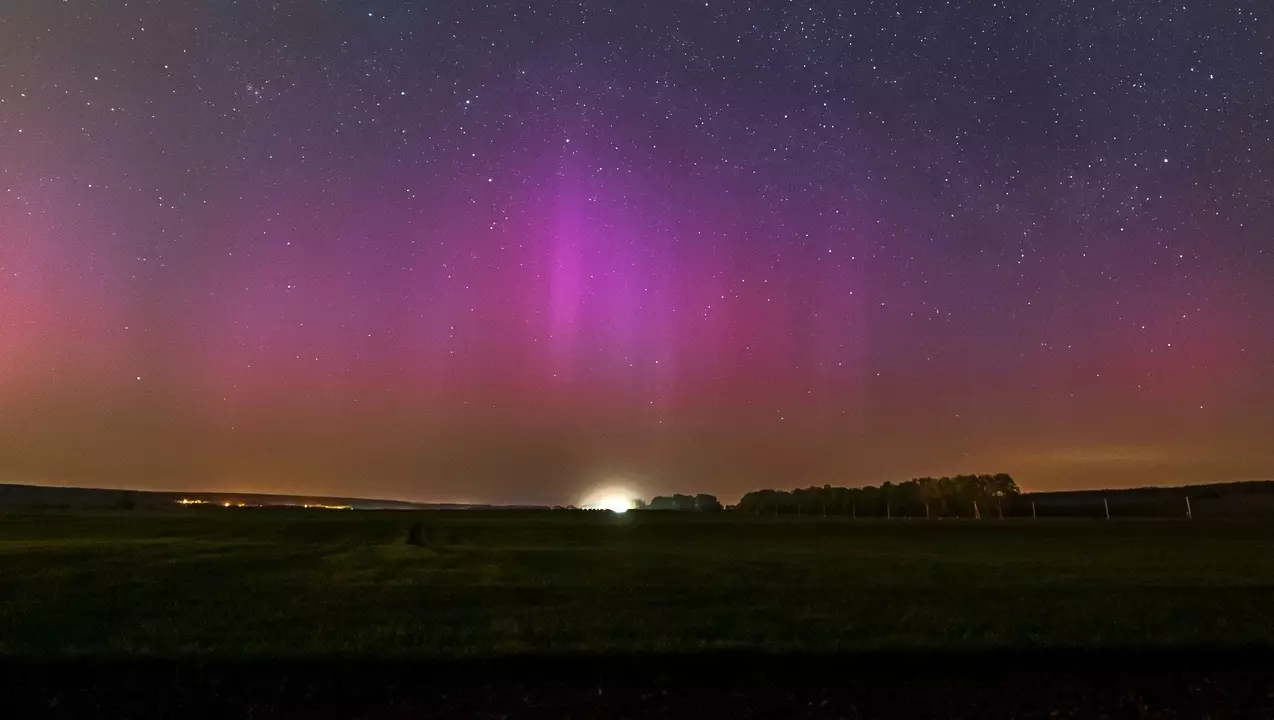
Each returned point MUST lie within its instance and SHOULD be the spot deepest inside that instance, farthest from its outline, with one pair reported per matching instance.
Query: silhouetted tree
(683, 502)
(762, 502)
(1002, 490)
(707, 503)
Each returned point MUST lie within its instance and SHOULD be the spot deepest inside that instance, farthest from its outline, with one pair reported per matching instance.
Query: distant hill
(1250, 498)
(36, 496)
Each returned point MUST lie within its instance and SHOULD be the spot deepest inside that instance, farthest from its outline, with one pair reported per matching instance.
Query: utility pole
(977, 514)
(1106, 504)
(1033, 515)
(1189, 512)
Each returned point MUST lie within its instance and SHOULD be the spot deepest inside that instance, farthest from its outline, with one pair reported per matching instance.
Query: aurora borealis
(504, 252)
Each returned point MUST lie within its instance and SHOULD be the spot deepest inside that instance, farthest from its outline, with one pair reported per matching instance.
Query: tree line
(959, 496)
(702, 502)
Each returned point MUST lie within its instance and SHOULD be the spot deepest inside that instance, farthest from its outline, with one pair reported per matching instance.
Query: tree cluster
(701, 502)
(959, 496)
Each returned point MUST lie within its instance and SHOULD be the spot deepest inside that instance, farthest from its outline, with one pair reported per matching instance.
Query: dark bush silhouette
(707, 503)
(416, 534)
(701, 502)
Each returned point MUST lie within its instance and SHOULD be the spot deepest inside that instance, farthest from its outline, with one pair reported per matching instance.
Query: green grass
(239, 583)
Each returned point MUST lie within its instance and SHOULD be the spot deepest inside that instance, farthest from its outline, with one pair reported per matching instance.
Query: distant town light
(614, 499)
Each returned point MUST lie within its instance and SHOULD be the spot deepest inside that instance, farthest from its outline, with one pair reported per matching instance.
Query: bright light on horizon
(615, 499)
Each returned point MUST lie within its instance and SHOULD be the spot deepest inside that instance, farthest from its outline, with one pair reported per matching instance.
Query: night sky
(505, 252)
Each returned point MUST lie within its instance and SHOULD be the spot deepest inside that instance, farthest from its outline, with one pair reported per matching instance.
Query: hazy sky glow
(506, 252)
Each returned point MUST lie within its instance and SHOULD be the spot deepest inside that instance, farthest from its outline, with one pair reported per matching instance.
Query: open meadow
(279, 583)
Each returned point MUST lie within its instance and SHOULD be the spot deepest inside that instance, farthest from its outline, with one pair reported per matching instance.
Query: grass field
(238, 583)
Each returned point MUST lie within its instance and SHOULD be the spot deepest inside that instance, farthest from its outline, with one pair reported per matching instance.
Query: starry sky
(508, 251)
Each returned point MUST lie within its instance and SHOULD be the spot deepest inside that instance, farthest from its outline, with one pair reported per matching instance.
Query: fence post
(1189, 511)
(977, 514)
(1106, 503)
(1033, 515)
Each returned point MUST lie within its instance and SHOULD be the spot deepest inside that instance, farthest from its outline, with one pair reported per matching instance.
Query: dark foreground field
(282, 612)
